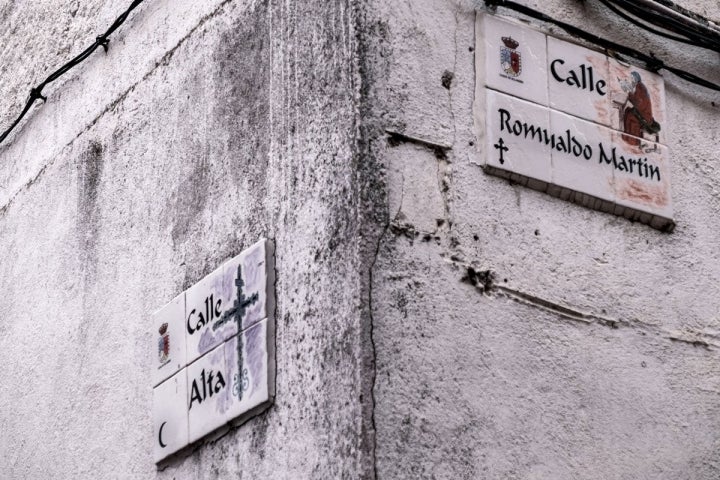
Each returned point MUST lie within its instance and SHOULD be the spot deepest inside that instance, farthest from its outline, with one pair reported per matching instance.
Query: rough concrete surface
(202, 130)
(522, 337)
(432, 321)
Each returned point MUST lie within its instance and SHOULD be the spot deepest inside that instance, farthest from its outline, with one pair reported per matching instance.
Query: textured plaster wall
(432, 321)
(519, 336)
(207, 126)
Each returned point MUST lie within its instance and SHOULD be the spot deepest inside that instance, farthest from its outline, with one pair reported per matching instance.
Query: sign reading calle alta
(572, 122)
(213, 355)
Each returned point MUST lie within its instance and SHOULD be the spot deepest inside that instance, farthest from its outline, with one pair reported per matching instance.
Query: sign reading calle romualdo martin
(572, 122)
(213, 352)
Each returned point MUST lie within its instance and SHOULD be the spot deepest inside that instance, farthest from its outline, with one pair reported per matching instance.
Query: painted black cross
(501, 146)
(236, 313)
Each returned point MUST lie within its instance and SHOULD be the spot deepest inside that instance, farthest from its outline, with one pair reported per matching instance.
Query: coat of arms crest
(510, 58)
(164, 343)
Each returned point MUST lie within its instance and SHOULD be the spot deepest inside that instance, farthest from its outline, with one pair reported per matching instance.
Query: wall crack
(484, 281)
(373, 382)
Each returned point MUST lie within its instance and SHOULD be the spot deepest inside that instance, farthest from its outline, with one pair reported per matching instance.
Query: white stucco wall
(432, 321)
(583, 346)
(201, 131)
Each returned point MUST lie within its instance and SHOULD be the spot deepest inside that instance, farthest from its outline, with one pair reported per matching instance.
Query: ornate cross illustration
(236, 313)
(240, 306)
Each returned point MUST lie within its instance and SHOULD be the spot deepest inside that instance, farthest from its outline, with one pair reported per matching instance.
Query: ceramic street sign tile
(637, 100)
(581, 126)
(513, 59)
(168, 339)
(208, 384)
(516, 136)
(256, 297)
(233, 297)
(578, 81)
(170, 416)
(642, 175)
(576, 157)
(205, 306)
(211, 390)
(247, 359)
(231, 380)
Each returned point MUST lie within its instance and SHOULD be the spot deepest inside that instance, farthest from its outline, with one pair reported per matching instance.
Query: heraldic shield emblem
(164, 343)
(510, 58)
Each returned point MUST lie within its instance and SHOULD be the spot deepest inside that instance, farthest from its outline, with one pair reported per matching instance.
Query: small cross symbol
(501, 146)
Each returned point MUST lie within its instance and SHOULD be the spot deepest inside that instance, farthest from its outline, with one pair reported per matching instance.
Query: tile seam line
(162, 62)
(551, 109)
(221, 344)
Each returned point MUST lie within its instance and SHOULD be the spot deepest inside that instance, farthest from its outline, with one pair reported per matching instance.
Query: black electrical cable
(637, 22)
(101, 41)
(666, 18)
(653, 63)
(691, 19)
(682, 11)
(688, 28)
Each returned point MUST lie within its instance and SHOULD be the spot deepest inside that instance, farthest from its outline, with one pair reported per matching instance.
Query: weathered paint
(525, 337)
(201, 131)
(472, 328)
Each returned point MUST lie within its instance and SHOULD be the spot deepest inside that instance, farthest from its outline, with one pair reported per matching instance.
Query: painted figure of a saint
(636, 114)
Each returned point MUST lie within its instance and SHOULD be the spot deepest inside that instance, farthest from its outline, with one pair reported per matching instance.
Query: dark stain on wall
(242, 98)
(90, 169)
(447, 78)
(191, 198)
(228, 96)
(241, 111)
(482, 279)
(90, 166)
(259, 435)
